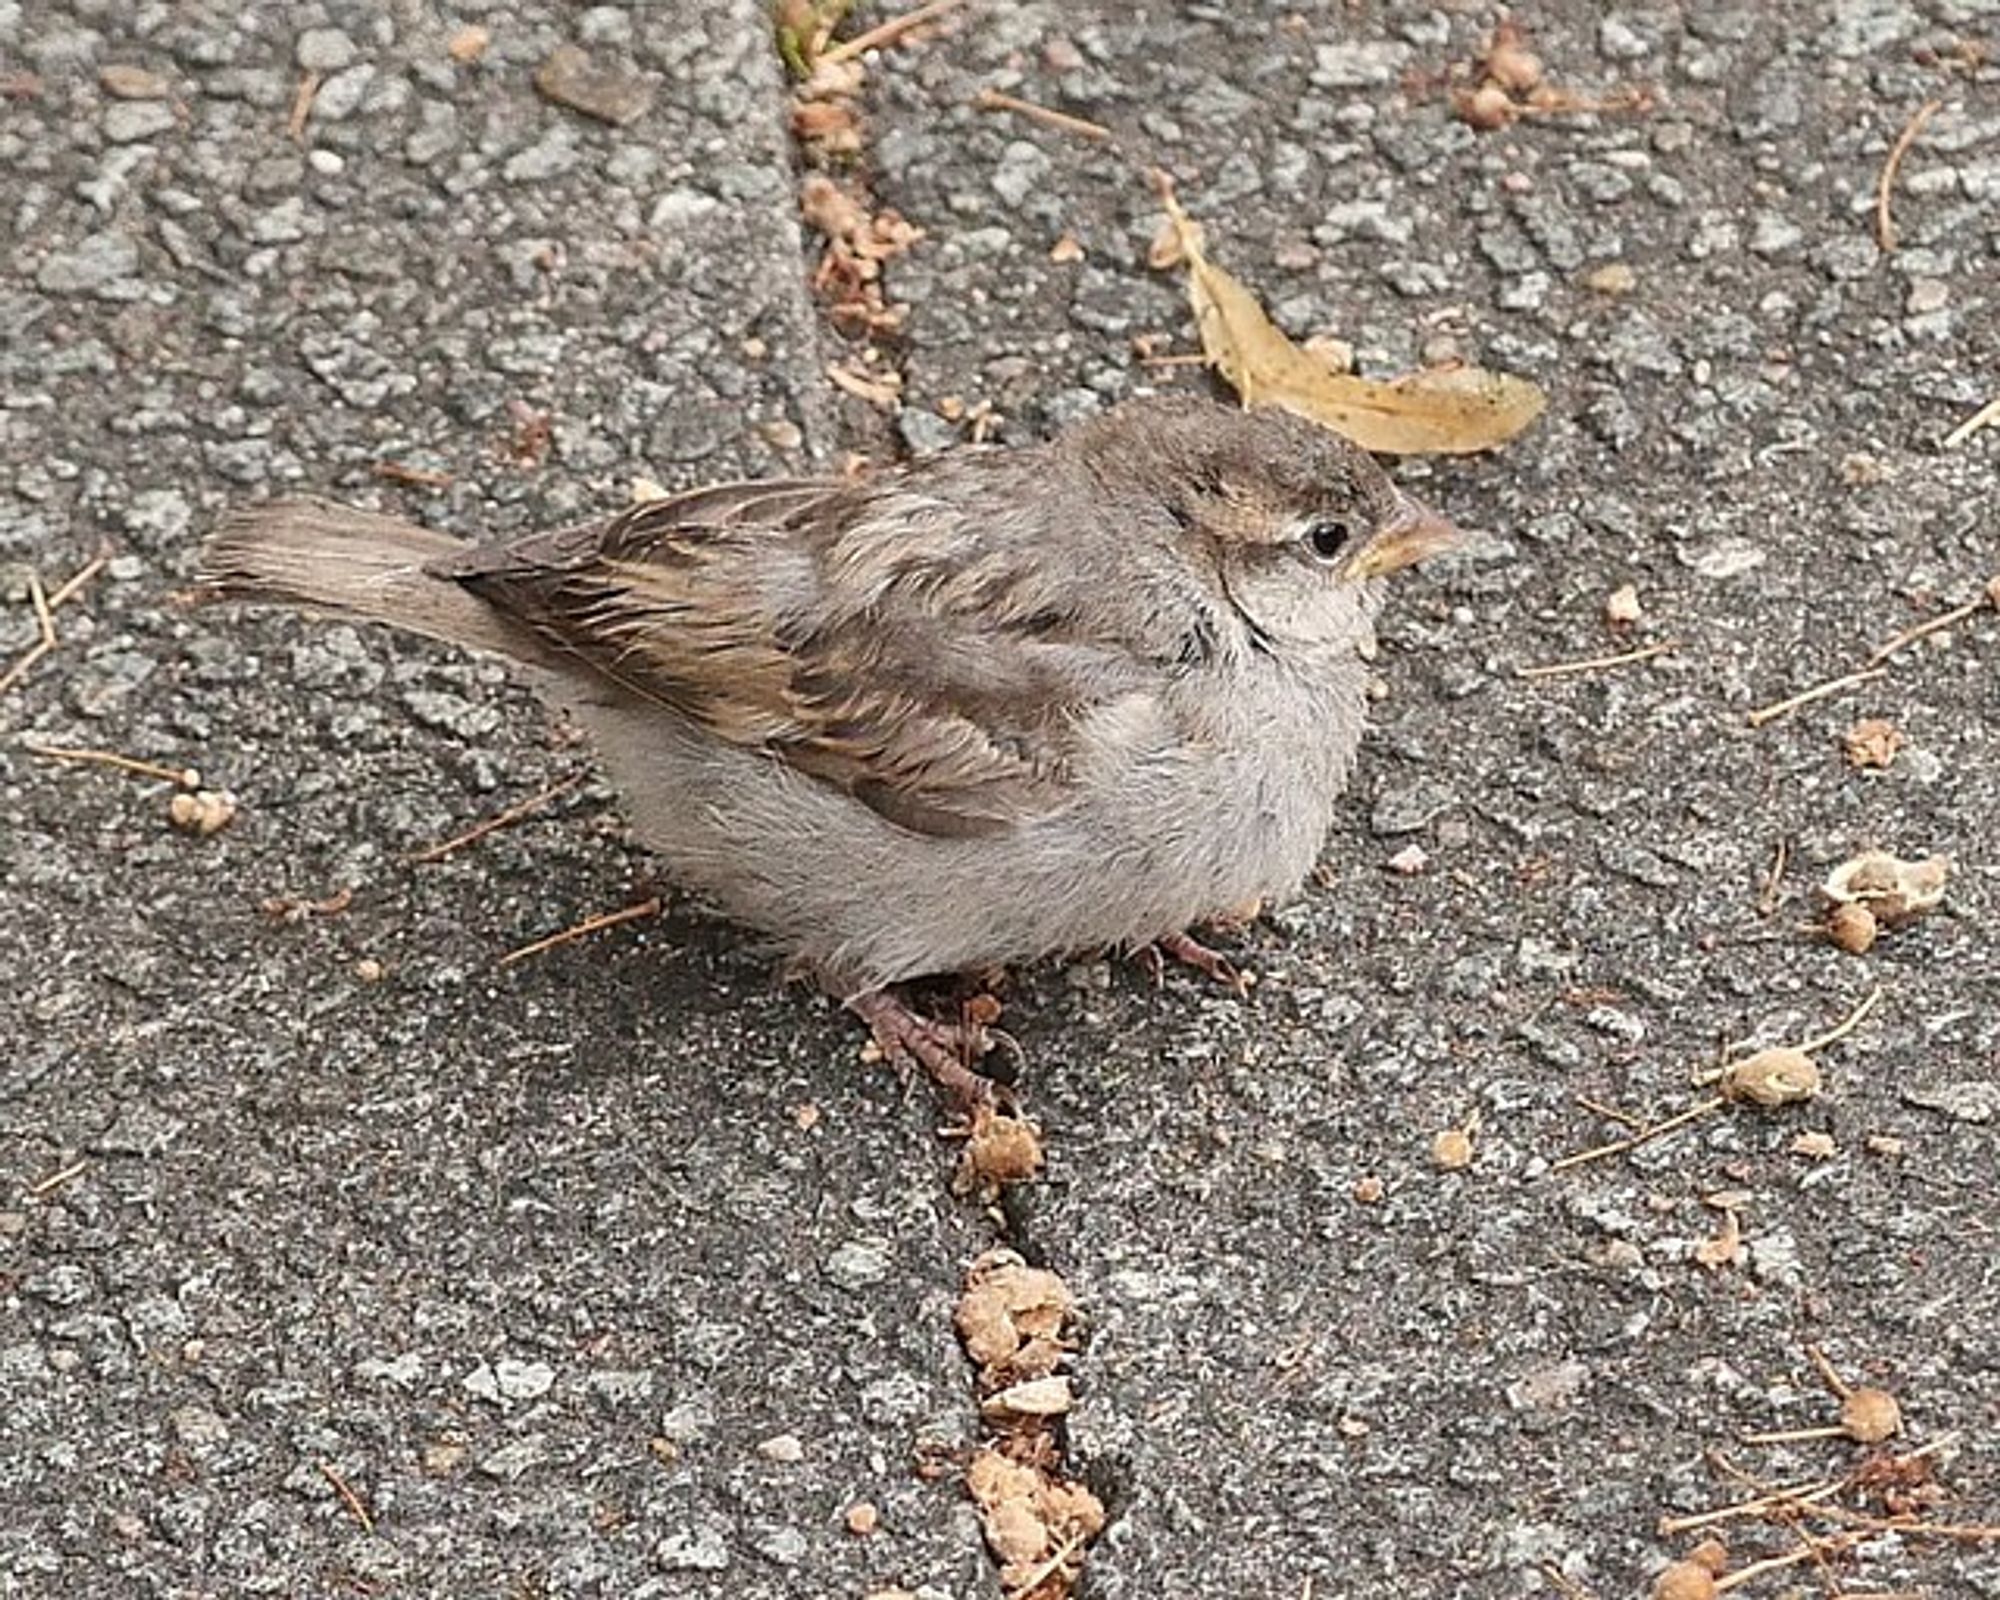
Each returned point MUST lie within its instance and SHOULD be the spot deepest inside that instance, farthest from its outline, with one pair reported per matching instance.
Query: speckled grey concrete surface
(536, 1260)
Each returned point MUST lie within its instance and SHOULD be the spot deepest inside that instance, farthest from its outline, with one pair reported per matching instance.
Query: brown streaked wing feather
(927, 707)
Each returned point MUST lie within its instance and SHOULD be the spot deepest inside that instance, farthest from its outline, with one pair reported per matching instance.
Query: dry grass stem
(1767, 898)
(1885, 226)
(1811, 1550)
(492, 824)
(1936, 624)
(1827, 1373)
(302, 104)
(1819, 691)
(1984, 417)
(180, 777)
(1760, 1506)
(348, 1497)
(55, 1180)
(1841, 1029)
(1645, 1135)
(1062, 121)
(46, 606)
(403, 472)
(888, 32)
(589, 925)
(1564, 669)
(73, 585)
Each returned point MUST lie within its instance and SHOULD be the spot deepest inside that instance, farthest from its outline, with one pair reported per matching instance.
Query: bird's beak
(1413, 533)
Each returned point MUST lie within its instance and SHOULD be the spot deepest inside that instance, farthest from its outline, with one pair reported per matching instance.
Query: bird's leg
(1191, 952)
(944, 1050)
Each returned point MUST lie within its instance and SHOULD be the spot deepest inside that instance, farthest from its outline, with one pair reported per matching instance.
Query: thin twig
(1944, 619)
(1959, 1532)
(1828, 1373)
(1645, 1135)
(302, 104)
(403, 472)
(493, 824)
(1809, 1551)
(1984, 417)
(1611, 1113)
(888, 32)
(1563, 669)
(589, 925)
(1767, 899)
(995, 100)
(1756, 1507)
(74, 584)
(42, 646)
(55, 1180)
(1818, 691)
(180, 777)
(46, 606)
(1847, 1024)
(348, 1497)
(1563, 1583)
(1885, 226)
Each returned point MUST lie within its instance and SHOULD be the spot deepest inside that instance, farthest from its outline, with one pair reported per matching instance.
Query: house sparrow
(996, 705)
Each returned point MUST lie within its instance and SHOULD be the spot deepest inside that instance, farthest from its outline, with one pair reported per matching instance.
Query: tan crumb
(1815, 1146)
(863, 1519)
(203, 812)
(1369, 1190)
(1622, 607)
(1884, 1144)
(1612, 279)
(1065, 250)
(1451, 1150)
(369, 970)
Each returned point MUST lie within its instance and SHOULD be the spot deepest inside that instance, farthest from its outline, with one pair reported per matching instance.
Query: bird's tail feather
(312, 553)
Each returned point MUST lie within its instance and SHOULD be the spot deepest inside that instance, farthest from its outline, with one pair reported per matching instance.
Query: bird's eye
(1327, 537)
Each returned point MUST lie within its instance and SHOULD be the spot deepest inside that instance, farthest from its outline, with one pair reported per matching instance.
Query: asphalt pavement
(337, 1258)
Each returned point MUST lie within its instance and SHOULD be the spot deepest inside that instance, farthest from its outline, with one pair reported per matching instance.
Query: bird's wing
(873, 638)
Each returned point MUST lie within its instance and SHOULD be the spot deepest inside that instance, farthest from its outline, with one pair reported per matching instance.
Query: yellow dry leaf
(1436, 411)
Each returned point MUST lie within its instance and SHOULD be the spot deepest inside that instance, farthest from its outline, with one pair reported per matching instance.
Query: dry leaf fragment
(999, 1150)
(1895, 891)
(1037, 1397)
(610, 94)
(832, 127)
(1009, 1306)
(1726, 1248)
(1815, 1146)
(1441, 410)
(1779, 1076)
(1872, 742)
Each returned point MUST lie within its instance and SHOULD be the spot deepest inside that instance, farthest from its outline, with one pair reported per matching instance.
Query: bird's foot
(1191, 952)
(944, 1050)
